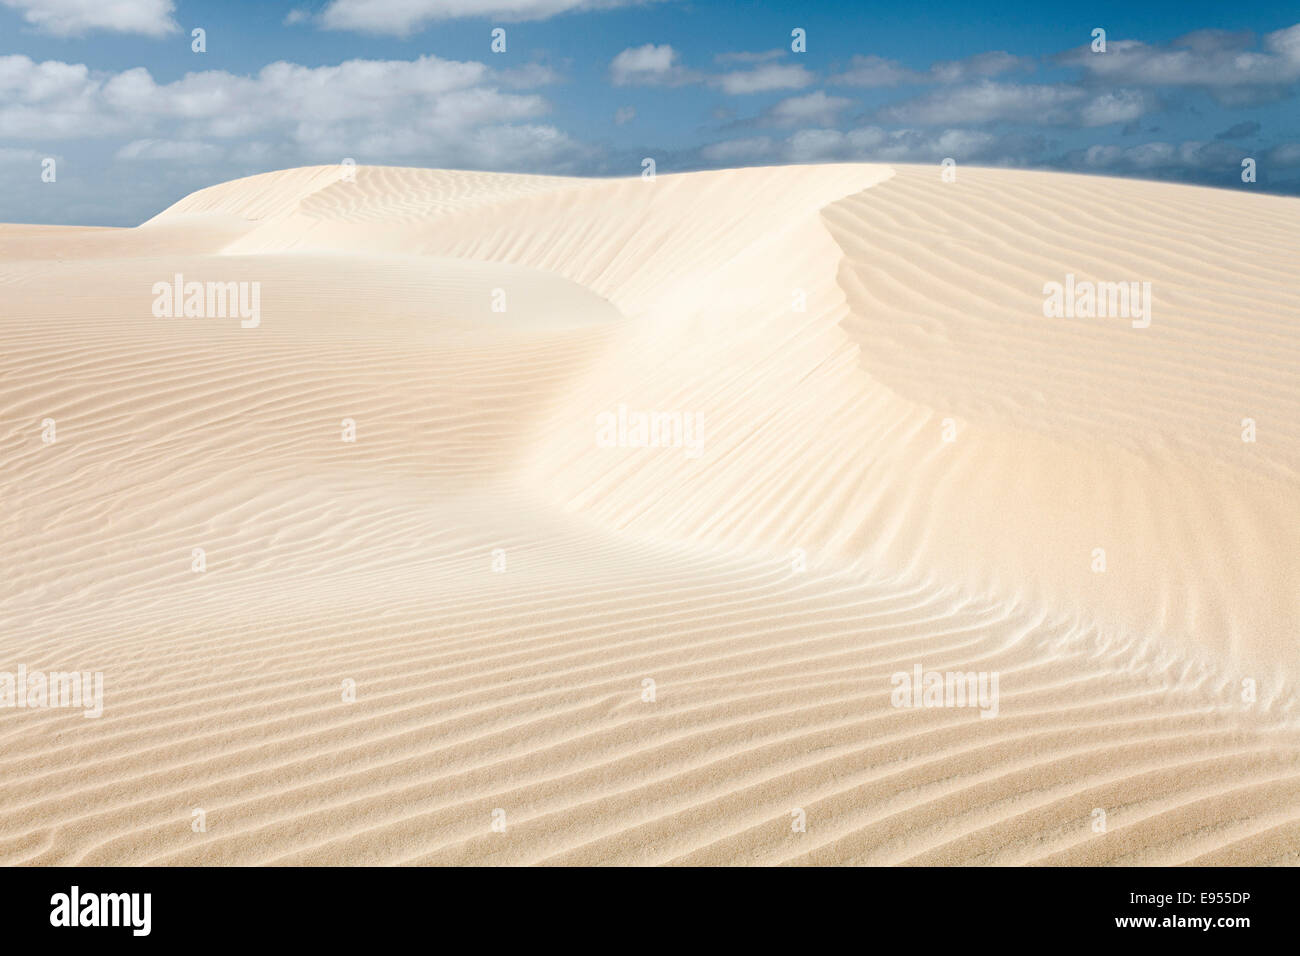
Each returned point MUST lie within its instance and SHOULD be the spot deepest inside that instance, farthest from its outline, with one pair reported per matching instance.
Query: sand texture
(569, 653)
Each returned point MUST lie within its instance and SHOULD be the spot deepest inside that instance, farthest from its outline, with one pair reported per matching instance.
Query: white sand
(822, 430)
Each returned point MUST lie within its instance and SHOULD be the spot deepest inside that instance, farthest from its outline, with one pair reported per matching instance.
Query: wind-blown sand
(822, 432)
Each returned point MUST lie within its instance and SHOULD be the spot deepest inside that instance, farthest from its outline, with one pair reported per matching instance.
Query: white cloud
(9, 154)
(624, 115)
(450, 111)
(660, 65)
(1042, 105)
(403, 17)
(522, 147)
(811, 145)
(1121, 106)
(1285, 44)
(1192, 155)
(1210, 41)
(528, 76)
(649, 65)
(871, 143)
(763, 79)
(816, 108)
(744, 56)
(980, 66)
(75, 17)
(738, 150)
(1148, 155)
(1211, 59)
(168, 149)
(875, 71)
(987, 102)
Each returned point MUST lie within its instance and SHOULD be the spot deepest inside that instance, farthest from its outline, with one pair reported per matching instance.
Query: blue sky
(134, 118)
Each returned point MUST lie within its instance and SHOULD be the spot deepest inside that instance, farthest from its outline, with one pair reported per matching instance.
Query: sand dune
(887, 457)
